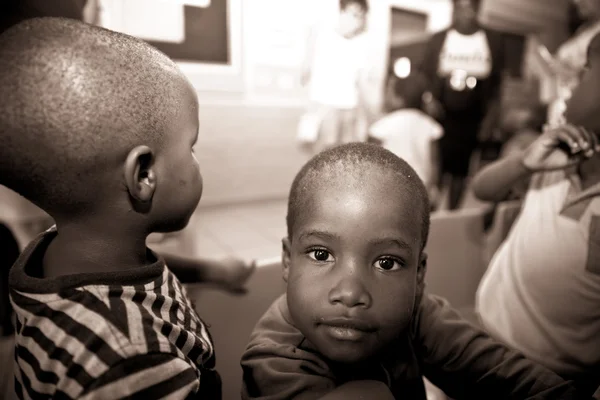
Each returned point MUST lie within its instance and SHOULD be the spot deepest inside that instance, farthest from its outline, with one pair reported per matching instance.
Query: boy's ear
(285, 257)
(140, 177)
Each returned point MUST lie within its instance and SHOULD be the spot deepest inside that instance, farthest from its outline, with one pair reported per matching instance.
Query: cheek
(394, 303)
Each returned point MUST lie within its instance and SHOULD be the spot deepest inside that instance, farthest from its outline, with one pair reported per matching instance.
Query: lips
(348, 323)
(347, 329)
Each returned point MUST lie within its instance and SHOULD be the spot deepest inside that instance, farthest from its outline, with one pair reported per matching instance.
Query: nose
(350, 289)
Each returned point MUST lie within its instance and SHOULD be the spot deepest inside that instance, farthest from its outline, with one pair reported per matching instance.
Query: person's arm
(273, 371)
(148, 377)
(360, 390)
(230, 273)
(465, 362)
(495, 181)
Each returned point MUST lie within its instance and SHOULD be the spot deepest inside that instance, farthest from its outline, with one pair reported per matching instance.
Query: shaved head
(76, 99)
(353, 164)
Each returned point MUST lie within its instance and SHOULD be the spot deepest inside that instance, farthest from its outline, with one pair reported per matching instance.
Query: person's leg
(456, 191)
(348, 128)
(329, 133)
(9, 252)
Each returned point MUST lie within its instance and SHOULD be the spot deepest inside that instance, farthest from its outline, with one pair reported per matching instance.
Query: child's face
(353, 19)
(587, 9)
(354, 265)
(582, 107)
(179, 182)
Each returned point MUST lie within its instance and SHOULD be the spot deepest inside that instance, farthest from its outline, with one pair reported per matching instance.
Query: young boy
(355, 320)
(97, 129)
(334, 70)
(541, 291)
(411, 134)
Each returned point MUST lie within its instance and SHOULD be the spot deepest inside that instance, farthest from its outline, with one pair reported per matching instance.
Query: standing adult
(464, 66)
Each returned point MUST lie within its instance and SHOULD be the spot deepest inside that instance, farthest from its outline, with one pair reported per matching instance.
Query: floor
(251, 231)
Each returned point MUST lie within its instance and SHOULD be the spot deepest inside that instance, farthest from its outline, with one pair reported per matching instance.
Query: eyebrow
(375, 242)
(319, 234)
(392, 241)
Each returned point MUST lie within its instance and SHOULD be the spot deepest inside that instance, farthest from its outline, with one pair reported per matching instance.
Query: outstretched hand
(236, 273)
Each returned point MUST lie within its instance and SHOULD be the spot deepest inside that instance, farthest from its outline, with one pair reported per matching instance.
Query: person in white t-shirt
(464, 66)
(410, 133)
(334, 67)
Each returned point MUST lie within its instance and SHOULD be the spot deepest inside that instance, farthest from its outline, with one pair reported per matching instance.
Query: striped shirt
(131, 334)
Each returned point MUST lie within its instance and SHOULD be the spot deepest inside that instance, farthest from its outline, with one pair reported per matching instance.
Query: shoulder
(432, 312)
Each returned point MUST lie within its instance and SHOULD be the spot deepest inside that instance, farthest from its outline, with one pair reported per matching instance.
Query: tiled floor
(250, 231)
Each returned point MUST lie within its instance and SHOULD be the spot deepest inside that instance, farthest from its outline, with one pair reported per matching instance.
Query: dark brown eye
(320, 255)
(388, 264)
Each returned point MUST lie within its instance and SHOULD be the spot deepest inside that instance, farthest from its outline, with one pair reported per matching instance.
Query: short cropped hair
(347, 161)
(364, 4)
(77, 98)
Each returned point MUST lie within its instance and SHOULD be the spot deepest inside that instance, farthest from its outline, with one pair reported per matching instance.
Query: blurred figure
(541, 291)
(569, 62)
(464, 65)
(410, 133)
(334, 71)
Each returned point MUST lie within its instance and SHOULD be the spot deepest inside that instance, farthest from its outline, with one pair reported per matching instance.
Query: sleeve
(465, 362)
(148, 376)
(379, 129)
(277, 372)
(435, 130)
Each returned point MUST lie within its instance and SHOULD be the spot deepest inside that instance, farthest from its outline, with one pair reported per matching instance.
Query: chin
(342, 354)
(173, 225)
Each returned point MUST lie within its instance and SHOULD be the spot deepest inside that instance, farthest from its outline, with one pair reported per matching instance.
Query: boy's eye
(387, 264)
(319, 255)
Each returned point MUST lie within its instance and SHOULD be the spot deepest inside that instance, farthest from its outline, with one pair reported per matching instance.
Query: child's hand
(560, 148)
(236, 273)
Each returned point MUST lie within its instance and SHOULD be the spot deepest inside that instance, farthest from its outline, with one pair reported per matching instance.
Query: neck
(467, 30)
(94, 246)
(589, 172)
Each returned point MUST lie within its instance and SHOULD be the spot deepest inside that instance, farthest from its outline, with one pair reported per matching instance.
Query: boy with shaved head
(356, 322)
(98, 129)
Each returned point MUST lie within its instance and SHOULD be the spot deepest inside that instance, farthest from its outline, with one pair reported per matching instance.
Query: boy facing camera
(97, 129)
(356, 321)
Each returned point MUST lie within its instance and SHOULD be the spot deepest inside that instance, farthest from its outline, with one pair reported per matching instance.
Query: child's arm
(147, 376)
(546, 153)
(495, 181)
(284, 372)
(230, 273)
(276, 366)
(465, 362)
(359, 390)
